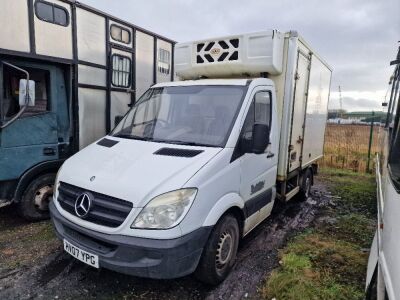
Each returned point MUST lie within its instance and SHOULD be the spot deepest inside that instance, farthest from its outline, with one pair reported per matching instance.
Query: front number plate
(82, 255)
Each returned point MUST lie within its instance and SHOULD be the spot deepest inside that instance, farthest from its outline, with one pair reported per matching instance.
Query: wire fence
(346, 146)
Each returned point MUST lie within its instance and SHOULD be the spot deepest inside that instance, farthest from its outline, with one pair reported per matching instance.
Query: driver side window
(10, 97)
(259, 113)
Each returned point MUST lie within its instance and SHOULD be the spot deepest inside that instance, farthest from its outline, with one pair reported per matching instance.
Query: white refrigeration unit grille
(232, 56)
(217, 51)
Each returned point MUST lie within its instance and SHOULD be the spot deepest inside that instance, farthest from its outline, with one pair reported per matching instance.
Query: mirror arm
(22, 110)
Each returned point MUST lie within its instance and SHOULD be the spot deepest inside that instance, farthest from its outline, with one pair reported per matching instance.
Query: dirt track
(58, 276)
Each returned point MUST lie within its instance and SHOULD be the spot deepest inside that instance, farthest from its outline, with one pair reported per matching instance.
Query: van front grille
(104, 210)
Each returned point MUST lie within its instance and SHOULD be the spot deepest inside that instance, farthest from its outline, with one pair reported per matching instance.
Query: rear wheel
(306, 184)
(219, 255)
(34, 204)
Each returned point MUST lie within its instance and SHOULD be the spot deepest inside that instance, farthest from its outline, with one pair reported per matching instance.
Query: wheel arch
(32, 173)
(230, 203)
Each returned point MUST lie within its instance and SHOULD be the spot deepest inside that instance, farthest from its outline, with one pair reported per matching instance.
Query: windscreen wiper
(177, 142)
(133, 137)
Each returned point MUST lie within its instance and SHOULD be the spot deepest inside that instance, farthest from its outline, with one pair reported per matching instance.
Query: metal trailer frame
(71, 69)
(75, 62)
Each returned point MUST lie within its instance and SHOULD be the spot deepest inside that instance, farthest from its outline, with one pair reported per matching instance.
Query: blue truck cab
(33, 146)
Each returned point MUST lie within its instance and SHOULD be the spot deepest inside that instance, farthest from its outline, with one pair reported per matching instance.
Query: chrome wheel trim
(43, 197)
(225, 249)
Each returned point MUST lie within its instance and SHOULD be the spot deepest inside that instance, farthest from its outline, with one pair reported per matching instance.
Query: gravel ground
(46, 272)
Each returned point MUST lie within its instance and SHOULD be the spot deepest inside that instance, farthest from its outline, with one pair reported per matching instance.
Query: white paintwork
(241, 82)
(92, 112)
(14, 23)
(54, 40)
(91, 29)
(92, 76)
(258, 52)
(144, 62)
(384, 253)
(299, 107)
(317, 111)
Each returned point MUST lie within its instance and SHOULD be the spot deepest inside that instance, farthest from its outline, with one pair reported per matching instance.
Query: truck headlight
(165, 211)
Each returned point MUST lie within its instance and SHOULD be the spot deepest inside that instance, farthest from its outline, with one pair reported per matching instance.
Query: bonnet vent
(107, 143)
(178, 152)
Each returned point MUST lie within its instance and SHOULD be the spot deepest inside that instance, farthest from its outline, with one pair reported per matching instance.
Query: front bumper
(151, 258)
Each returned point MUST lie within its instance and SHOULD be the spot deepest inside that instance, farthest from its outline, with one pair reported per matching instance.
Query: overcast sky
(358, 38)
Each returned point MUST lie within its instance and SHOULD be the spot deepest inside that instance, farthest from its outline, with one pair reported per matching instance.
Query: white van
(195, 165)
(383, 270)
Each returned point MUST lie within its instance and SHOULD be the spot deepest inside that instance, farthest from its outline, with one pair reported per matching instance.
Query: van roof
(240, 82)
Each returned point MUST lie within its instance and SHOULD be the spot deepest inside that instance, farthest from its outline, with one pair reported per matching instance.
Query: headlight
(165, 211)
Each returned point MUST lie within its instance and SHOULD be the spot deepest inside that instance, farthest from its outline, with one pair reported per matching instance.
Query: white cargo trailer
(302, 83)
(88, 67)
(193, 166)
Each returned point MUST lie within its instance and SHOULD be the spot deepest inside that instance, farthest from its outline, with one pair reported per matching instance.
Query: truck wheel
(219, 254)
(306, 185)
(34, 204)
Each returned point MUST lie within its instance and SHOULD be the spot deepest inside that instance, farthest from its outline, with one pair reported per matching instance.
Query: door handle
(270, 155)
(49, 151)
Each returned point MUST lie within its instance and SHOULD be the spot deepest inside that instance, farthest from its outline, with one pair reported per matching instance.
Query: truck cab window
(10, 103)
(259, 112)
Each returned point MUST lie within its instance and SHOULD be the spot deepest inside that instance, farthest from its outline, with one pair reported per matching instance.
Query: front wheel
(34, 204)
(219, 254)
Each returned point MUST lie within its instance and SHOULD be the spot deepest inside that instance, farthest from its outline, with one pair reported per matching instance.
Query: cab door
(258, 171)
(34, 137)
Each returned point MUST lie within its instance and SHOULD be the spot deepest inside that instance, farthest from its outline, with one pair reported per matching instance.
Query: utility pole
(341, 102)
(371, 134)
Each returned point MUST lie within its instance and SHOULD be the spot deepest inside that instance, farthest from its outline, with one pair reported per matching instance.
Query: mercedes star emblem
(82, 205)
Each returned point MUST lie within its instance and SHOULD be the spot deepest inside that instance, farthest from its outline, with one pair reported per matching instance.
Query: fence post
(371, 134)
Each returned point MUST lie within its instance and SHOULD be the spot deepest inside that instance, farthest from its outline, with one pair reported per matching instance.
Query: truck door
(258, 171)
(35, 137)
(298, 114)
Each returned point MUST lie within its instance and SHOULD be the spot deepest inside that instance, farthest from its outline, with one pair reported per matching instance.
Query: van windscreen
(187, 115)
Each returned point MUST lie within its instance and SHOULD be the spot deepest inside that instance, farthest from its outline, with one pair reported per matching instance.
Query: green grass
(24, 245)
(314, 267)
(328, 261)
(357, 191)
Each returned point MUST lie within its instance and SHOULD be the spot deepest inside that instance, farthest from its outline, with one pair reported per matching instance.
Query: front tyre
(219, 254)
(34, 204)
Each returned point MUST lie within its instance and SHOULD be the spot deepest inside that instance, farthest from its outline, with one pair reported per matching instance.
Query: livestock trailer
(86, 68)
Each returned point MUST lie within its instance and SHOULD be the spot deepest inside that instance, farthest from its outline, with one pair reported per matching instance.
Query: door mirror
(117, 120)
(26, 93)
(260, 138)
